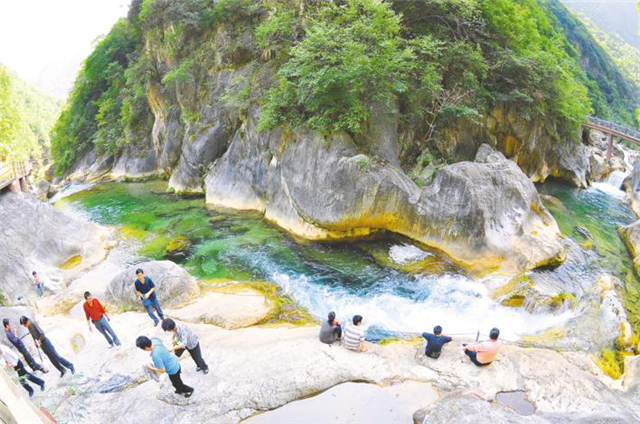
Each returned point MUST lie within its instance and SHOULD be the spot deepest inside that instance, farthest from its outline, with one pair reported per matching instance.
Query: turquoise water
(393, 284)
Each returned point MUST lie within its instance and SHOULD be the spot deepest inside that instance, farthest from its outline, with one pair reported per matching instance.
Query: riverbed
(397, 286)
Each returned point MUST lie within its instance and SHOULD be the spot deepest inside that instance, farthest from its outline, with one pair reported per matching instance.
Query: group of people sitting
(481, 354)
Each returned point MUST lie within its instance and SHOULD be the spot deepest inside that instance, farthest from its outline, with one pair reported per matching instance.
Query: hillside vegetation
(331, 65)
(26, 117)
(610, 65)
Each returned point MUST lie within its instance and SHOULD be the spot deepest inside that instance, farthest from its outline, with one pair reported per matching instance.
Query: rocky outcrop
(36, 236)
(632, 187)
(631, 236)
(529, 144)
(485, 214)
(244, 308)
(174, 285)
(262, 368)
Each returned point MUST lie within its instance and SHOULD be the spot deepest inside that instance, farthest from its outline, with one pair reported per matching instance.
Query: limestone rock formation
(485, 214)
(631, 236)
(36, 236)
(245, 308)
(632, 187)
(174, 285)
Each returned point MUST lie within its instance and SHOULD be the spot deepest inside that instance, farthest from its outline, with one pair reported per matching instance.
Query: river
(394, 284)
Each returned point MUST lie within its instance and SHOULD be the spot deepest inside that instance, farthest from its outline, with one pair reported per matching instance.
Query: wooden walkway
(613, 130)
(15, 175)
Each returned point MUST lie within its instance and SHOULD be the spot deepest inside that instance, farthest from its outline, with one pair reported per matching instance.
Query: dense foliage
(26, 117)
(614, 95)
(437, 64)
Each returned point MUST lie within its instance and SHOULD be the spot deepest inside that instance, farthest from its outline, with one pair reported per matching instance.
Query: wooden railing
(11, 171)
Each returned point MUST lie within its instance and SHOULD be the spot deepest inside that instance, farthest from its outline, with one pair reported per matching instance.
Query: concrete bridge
(613, 130)
(15, 175)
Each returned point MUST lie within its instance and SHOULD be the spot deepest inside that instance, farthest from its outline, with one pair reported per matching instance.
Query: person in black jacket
(435, 342)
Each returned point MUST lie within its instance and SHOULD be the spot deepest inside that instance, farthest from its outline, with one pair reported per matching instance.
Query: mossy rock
(610, 362)
(515, 301)
(558, 301)
(156, 248)
(516, 286)
(178, 248)
(217, 218)
(71, 262)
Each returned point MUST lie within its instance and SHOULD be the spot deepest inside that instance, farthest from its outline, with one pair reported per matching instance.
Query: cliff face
(236, 92)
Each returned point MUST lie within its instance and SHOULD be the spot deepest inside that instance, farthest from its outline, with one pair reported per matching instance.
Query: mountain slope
(26, 117)
(617, 96)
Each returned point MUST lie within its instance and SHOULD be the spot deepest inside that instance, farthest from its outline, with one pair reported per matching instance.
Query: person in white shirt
(354, 335)
(13, 361)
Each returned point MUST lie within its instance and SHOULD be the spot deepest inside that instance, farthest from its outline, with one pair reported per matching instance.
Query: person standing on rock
(13, 361)
(94, 311)
(44, 343)
(146, 292)
(330, 331)
(184, 338)
(483, 353)
(435, 342)
(12, 336)
(164, 362)
(39, 284)
(354, 335)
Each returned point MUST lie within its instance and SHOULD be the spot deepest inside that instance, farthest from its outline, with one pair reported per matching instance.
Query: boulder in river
(486, 214)
(632, 187)
(631, 236)
(174, 285)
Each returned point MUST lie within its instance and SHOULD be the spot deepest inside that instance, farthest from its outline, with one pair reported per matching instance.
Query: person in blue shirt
(164, 362)
(435, 342)
(146, 292)
(12, 336)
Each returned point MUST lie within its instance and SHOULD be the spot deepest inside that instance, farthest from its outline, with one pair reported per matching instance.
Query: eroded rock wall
(485, 214)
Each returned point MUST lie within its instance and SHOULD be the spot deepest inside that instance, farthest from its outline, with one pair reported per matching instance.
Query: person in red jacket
(95, 313)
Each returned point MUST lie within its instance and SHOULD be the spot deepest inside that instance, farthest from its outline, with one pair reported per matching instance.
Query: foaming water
(405, 253)
(69, 189)
(460, 305)
(382, 279)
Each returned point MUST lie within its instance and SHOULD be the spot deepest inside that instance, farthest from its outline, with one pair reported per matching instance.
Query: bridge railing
(13, 170)
(616, 127)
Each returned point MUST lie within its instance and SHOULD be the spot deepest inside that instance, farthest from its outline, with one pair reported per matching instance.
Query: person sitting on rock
(435, 342)
(146, 292)
(184, 338)
(13, 361)
(12, 336)
(95, 313)
(330, 331)
(164, 362)
(45, 344)
(483, 353)
(354, 335)
(38, 283)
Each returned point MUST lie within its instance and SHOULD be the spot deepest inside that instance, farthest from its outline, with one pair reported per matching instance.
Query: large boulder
(631, 236)
(632, 187)
(174, 285)
(37, 236)
(486, 214)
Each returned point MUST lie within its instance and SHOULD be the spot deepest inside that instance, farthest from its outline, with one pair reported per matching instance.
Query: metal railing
(11, 171)
(615, 127)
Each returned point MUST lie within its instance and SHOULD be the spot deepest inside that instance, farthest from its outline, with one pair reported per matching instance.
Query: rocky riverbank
(260, 368)
(263, 357)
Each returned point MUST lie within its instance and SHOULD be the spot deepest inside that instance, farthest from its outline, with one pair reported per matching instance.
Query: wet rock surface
(484, 214)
